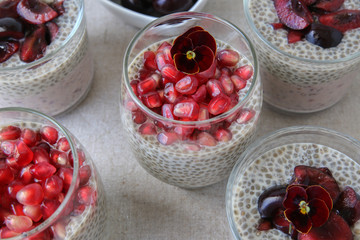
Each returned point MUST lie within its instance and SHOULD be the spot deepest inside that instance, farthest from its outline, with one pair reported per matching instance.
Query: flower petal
(319, 212)
(203, 38)
(294, 195)
(191, 30)
(181, 45)
(301, 221)
(204, 57)
(183, 64)
(316, 191)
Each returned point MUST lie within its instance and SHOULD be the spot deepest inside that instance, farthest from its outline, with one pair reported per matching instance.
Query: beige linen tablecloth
(140, 206)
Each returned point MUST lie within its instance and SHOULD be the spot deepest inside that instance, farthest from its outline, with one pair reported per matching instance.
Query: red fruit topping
(271, 200)
(293, 13)
(183, 132)
(170, 93)
(42, 171)
(81, 157)
(170, 73)
(49, 134)
(227, 84)
(31, 194)
(138, 117)
(36, 11)
(281, 223)
(147, 129)
(14, 187)
(167, 138)
(17, 209)
(147, 85)
(66, 175)
(206, 139)
(294, 36)
(152, 100)
(187, 85)
(25, 175)
(245, 72)
(277, 26)
(10, 28)
(40, 155)
(150, 63)
(187, 109)
(52, 30)
(85, 174)
(23, 154)
(10, 133)
(228, 57)
(223, 135)
(18, 224)
(342, 20)
(167, 111)
(210, 73)
(200, 94)
(324, 36)
(265, 225)
(33, 212)
(6, 175)
(34, 45)
(214, 87)
(7, 233)
(219, 104)
(86, 195)
(335, 228)
(8, 147)
(348, 206)
(58, 158)
(48, 207)
(8, 8)
(328, 5)
(29, 137)
(162, 60)
(52, 187)
(245, 116)
(238, 82)
(58, 6)
(192, 147)
(63, 144)
(7, 49)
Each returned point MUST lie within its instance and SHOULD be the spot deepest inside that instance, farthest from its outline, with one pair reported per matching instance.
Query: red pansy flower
(194, 51)
(307, 207)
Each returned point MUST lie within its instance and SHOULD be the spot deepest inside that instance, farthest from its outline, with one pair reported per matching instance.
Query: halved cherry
(34, 45)
(324, 36)
(7, 49)
(342, 20)
(328, 5)
(36, 11)
(52, 30)
(11, 28)
(8, 8)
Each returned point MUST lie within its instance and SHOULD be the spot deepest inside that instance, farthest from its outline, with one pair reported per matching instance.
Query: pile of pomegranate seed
(178, 96)
(36, 170)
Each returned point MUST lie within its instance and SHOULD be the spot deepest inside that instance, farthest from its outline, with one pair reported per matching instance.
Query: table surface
(140, 206)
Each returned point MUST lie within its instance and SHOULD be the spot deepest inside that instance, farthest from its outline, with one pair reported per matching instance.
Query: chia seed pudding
(188, 162)
(273, 165)
(74, 219)
(62, 78)
(301, 77)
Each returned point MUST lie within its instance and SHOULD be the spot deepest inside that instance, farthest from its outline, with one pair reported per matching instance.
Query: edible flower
(194, 51)
(307, 207)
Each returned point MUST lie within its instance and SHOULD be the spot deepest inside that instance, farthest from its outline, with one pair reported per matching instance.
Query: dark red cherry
(7, 49)
(348, 205)
(8, 8)
(324, 36)
(11, 28)
(171, 6)
(36, 11)
(271, 200)
(34, 45)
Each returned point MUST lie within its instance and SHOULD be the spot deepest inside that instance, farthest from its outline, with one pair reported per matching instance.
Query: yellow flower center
(190, 55)
(304, 208)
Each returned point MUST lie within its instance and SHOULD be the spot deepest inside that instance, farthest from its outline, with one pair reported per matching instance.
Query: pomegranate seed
(63, 144)
(44, 145)
(204, 115)
(8, 147)
(152, 100)
(187, 109)
(58, 158)
(17, 209)
(29, 137)
(183, 132)
(238, 82)
(84, 174)
(31, 194)
(48, 207)
(245, 116)
(217, 73)
(12, 163)
(60, 197)
(167, 52)
(138, 117)
(192, 147)
(23, 153)
(33, 212)
(209, 73)
(10, 133)
(66, 175)
(52, 187)
(187, 85)
(14, 187)
(79, 209)
(214, 87)
(18, 224)
(245, 72)
(3, 214)
(49, 134)
(226, 71)
(167, 138)
(5, 198)
(219, 104)
(147, 129)
(44, 235)
(7, 233)
(171, 73)
(6, 175)
(25, 175)
(162, 46)
(86, 195)
(223, 135)
(227, 84)
(42, 170)
(150, 62)
(228, 57)
(147, 85)
(170, 93)
(130, 105)
(206, 139)
(59, 230)
(133, 85)
(200, 94)
(81, 158)
(144, 73)
(167, 111)
(161, 60)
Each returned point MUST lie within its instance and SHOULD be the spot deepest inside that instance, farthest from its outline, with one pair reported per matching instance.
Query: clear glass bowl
(270, 161)
(62, 78)
(301, 77)
(74, 218)
(188, 163)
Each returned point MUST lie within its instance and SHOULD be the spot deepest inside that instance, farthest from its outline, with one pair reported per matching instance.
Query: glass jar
(301, 77)
(270, 161)
(186, 153)
(69, 197)
(62, 78)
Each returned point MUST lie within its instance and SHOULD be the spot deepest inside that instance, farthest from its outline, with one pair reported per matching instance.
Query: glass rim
(44, 225)
(279, 51)
(65, 42)
(270, 137)
(186, 15)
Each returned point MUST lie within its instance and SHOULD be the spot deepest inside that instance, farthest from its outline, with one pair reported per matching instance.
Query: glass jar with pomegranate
(190, 98)
(45, 60)
(49, 186)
